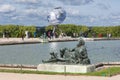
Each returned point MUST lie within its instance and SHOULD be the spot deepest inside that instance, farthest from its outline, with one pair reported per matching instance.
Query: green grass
(105, 72)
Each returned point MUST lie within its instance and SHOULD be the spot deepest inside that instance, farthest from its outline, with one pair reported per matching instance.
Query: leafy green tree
(69, 29)
(16, 30)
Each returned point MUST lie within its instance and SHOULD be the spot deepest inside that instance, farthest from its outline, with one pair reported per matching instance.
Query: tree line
(16, 30)
(85, 31)
(68, 29)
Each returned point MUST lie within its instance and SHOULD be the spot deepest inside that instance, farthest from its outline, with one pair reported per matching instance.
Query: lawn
(104, 72)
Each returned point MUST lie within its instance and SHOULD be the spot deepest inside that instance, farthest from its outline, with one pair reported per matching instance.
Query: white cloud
(92, 19)
(115, 17)
(31, 11)
(93, 12)
(103, 6)
(27, 1)
(73, 11)
(14, 18)
(76, 2)
(36, 13)
(6, 8)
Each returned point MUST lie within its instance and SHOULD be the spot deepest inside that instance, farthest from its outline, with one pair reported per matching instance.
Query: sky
(79, 12)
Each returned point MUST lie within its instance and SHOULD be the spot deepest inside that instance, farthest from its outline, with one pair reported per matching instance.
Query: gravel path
(19, 76)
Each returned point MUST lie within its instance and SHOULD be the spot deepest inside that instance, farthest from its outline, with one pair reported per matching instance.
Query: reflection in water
(53, 47)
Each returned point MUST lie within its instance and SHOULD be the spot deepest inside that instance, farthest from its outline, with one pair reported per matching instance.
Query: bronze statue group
(78, 55)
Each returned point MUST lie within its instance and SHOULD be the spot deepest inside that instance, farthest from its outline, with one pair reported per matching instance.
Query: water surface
(33, 54)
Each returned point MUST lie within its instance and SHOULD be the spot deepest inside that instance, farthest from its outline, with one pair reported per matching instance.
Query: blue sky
(80, 12)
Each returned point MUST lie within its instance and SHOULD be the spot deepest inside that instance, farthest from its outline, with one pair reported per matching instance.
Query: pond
(33, 54)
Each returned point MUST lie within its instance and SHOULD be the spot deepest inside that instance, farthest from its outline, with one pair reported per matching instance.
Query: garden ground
(20, 76)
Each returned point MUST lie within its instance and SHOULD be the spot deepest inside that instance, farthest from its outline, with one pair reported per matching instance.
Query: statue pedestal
(66, 68)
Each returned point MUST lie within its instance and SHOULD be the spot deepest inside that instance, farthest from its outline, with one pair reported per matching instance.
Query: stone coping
(66, 68)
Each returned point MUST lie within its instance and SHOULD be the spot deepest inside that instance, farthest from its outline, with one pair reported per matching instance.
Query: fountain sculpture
(78, 55)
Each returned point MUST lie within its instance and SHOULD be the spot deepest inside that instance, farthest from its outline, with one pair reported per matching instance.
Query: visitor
(22, 36)
(109, 35)
(35, 34)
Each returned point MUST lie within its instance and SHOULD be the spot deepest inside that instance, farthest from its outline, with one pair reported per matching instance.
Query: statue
(78, 55)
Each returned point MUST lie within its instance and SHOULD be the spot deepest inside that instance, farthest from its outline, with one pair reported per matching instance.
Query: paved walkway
(5, 41)
(19, 76)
